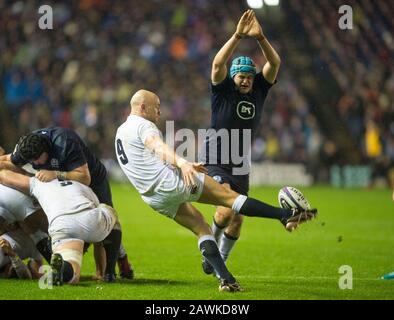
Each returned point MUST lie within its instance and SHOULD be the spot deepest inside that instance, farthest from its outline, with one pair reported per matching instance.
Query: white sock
(239, 202)
(217, 230)
(205, 237)
(122, 251)
(227, 243)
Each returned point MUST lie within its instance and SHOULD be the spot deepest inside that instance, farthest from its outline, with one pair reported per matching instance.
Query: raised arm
(219, 68)
(271, 68)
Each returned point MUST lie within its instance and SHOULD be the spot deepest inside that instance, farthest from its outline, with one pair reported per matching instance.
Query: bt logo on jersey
(246, 110)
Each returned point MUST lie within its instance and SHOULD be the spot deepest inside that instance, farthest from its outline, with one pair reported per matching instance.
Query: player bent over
(168, 183)
(61, 153)
(75, 216)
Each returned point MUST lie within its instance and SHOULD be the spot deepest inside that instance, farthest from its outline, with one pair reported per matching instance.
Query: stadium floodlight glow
(255, 4)
(271, 2)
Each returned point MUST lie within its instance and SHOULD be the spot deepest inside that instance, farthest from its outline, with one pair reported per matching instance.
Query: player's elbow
(276, 62)
(217, 65)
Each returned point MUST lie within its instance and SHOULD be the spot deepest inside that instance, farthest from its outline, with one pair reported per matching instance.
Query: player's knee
(223, 216)
(229, 197)
(111, 213)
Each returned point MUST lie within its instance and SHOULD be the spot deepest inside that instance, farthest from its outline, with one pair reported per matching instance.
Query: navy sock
(111, 246)
(256, 208)
(210, 251)
(68, 271)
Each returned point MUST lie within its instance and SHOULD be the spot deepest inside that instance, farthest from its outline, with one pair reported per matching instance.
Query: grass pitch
(355, 227)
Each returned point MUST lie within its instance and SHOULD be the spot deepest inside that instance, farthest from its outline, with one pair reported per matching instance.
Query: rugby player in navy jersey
(60, 153)
(237, 100)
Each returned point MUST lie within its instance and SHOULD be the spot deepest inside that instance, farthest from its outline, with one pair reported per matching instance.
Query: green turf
(269, 262)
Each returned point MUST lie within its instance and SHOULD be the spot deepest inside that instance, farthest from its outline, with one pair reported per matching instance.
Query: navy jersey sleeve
(74, 155)
(262, 84)
(226, 85)
(68, 150)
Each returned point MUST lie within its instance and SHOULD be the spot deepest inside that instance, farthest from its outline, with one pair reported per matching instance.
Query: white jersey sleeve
(147, 129)
(15, 205)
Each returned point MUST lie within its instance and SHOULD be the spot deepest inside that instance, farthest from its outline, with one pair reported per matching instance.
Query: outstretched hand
(244, 23)
(189, 170)
(248, 25)
(255, 30)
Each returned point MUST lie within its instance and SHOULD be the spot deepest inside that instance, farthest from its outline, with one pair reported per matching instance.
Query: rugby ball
(290, 197)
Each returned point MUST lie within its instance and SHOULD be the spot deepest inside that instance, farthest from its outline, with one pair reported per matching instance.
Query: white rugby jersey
(15, 205)
(58, 198)
(142, 167)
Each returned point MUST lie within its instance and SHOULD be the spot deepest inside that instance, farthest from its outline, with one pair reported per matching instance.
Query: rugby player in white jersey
(168, 183)
(17, 207)
(15, 246)
(75, 216)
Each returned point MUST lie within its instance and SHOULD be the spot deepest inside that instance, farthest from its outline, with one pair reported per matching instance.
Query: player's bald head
(146, 104)
(142, 97)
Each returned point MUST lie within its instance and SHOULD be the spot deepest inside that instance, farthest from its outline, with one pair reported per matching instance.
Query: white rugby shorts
(168, 202)
(91, 226)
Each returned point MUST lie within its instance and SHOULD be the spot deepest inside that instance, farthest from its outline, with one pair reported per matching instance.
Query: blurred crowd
(82, 73)
(361, 60)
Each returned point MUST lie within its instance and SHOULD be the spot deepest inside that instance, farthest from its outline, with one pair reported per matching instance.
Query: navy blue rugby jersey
(67, 153)
(233, 110)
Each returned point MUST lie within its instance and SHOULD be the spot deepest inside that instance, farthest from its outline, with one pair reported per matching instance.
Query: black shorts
(103, 192)
(222, 175)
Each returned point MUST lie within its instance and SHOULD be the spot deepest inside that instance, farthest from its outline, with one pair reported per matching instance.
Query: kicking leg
(216, 194)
